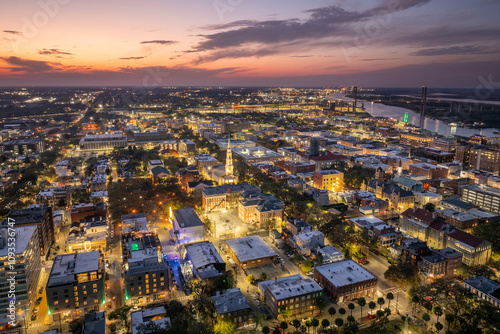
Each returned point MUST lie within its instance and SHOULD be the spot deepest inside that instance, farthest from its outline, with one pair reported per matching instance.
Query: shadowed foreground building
(76, 285)
(27, 268)
(232, 305)
(346, 280)
(294, 293)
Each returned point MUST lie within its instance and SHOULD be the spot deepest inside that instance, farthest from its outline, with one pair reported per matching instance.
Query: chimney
(276, 281)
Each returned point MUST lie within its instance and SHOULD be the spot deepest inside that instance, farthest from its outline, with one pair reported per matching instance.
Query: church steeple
(229, 158)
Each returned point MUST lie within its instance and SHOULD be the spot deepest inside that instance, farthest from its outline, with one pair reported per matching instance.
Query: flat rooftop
(23, 236)
(292, 286)
(203, 254)
(250, 248)
(144, 316)
(67, 266)
(187, 217)
(345, 273)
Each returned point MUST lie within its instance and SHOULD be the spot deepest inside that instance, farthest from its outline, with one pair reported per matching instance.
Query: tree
(350, 319)
(361, 303)
(265, 330)
(381, 301)
(380, 314)
(372, 305)
(389, 297)
(325, 323)
(320, 304)
(439, 326)
(224, 327)
(284, 326)
(449, 319)
(296, 323)
(387, 311)
(251, 279)
(263, 276)
(303, 329)
(415, 300)
(428, 306)
(426, 317)
(438, 311)
(341, 312)
(284, 312)
(339, 322)
(308, 325)
(430, 207)
(276, 331)
(315, 323)
(332, 311)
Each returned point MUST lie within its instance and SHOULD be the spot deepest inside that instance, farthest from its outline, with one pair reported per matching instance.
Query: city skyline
(241, 43)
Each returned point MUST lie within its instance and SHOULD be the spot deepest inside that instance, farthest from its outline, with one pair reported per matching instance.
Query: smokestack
(423, 102)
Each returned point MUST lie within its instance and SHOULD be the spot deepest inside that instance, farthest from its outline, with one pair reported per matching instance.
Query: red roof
(466, 238)
(419, 214)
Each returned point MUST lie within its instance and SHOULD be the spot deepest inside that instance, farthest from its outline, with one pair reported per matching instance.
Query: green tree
(284, 326)
(449, 319)
(381, 301)
(350, 319)
(339, 322)
(380, 314)
(415, 300)
(351, 307)
(387, 311)
(430, 207)
(361, 303)
(224, 327)
(389, 297)
(308, 325)
(332, 311)
(341, 312)
(263, 276)
(251, 279)
(439, 326)
(325, 323)
(426, 317)
(265, 330)
(315, 323)
(320, 304)
(438, 311)
(428, 306)
(296, 323)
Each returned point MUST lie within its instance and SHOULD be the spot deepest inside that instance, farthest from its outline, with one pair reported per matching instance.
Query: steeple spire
(229, 158)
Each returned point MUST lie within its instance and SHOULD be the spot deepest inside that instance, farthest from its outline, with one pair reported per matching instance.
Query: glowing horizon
(236, 42)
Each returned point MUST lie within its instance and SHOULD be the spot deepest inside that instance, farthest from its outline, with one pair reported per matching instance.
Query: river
(430, 124)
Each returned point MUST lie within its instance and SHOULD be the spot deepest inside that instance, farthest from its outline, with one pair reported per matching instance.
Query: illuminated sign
(406, 118)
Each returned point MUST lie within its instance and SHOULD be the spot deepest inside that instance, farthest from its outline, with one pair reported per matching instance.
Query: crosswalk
(396, 290)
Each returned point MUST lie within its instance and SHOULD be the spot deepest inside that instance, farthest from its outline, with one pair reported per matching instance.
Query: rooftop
(250, 248)
(291, 286)
(187, 217)
(344, 273)
(23, 236)
(203, 254)
(67, 266)
(229, 301)
(143, 317)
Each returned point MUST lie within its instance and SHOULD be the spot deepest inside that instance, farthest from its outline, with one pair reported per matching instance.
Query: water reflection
(433, 125)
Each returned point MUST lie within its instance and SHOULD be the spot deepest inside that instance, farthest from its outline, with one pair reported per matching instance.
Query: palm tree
(315, 323)
(332, 311)
(339, 322)
(351, 307)
(372, 305)
(426, 317)
(439, 326)
(415, 301)
(428, 306)
(284, 325)
(296, 324)
(381, 301)
(390, 297)
(449, 318)
(266, 330)
(350, 319)
(325, 323)
(438, 311)
(387, 311)
(341, 311)
(380, 314)
(361, 303)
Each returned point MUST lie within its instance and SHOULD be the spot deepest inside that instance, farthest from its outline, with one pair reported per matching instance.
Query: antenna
(354, 98)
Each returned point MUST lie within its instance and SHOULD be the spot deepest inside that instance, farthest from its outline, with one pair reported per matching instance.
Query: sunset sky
(378, 43)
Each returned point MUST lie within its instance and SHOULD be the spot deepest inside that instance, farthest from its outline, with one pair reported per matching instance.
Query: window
(95, 290)
(94, 286)
(66, 301)
(56, 303)
(96, 301)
